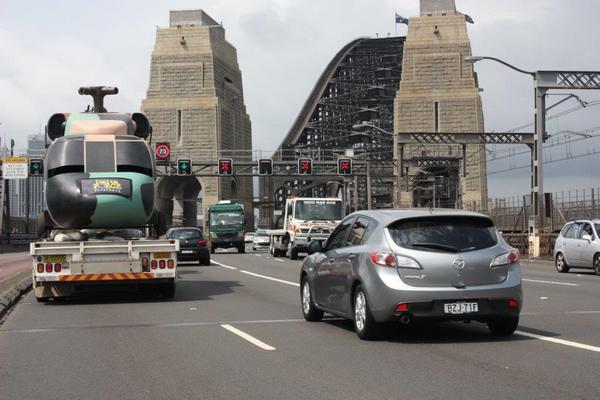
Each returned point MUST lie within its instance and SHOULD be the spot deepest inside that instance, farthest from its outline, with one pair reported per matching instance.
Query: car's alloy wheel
(597, 264)
(364, 325)
(309, 309)
(561, 263)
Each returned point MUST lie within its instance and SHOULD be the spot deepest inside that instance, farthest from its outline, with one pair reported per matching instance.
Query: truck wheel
(241, 249)
(293, 253)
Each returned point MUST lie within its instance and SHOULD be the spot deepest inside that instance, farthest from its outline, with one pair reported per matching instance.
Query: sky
(49, 49)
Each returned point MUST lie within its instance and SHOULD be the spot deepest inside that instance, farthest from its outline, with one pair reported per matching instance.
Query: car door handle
(351, 257)
(330, 260)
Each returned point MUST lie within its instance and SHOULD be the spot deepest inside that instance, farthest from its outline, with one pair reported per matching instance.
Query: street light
(537, 184)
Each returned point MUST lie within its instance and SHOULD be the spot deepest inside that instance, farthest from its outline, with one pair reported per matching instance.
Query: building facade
(195, 102)
(439, 94)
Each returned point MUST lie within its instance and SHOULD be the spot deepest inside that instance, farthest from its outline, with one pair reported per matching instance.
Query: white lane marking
(543, 298)
(560, 341)
(550, 282)
(582, 312)
(223, 265)
(277, 259)
(257, 255)
(36, 330)
(249, 338)
(259, 275)
(270, 278)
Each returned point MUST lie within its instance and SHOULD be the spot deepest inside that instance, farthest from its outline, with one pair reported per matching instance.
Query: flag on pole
(469, 19)
(401, 20)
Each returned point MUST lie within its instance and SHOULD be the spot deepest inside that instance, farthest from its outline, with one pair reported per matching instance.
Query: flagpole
(396, 29)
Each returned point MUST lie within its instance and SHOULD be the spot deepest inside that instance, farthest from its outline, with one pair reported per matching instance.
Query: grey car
(578, 246)
(414, 264)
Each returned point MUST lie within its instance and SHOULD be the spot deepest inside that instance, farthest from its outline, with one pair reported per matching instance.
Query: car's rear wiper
(436, 246)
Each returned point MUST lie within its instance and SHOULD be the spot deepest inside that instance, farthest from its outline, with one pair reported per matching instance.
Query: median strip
(248, 337)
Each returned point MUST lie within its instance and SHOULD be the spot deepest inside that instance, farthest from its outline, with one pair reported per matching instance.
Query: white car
(261, 240)
(248, 237)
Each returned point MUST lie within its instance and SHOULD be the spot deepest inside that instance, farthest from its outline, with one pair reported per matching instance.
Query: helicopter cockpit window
(65, 156)
(99, 156)
(134, 157)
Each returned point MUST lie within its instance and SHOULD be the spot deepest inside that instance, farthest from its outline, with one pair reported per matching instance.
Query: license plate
(55, 259)
(187, 251)
(460, 308)
(165, 254)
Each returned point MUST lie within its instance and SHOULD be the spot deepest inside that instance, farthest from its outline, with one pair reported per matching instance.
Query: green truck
(226, 226)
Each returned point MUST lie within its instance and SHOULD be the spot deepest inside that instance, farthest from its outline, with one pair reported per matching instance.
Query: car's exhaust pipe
(405, 319)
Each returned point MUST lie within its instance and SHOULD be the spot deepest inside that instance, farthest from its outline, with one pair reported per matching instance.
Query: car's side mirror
(315, 246)
(587, 237)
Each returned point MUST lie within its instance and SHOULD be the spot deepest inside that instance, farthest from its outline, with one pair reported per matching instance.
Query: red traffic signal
(344, 166)
(305, 166)
(225, 166)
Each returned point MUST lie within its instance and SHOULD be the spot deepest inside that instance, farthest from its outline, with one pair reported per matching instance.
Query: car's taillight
(154, 264)
(57, 267)
(510, 257)
(393, 260)
(48, 267)
(170, 264)
(202, 242)
(383, 259)
(513, 303)
(401, 307)
(40, 268)
(161, 264)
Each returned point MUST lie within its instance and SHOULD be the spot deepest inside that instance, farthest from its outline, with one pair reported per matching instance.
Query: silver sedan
(405, 265)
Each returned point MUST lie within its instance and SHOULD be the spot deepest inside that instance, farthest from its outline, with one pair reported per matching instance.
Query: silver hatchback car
(415, 264)
(578, 246)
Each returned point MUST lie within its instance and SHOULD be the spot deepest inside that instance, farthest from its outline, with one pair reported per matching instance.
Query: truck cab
(226, 226)
(305, 219)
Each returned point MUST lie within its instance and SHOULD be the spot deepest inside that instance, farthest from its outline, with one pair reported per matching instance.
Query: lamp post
(362, 125)
(537, 159)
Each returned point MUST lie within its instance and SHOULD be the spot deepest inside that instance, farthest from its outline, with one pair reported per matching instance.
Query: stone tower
(195, 102)
(439, 93)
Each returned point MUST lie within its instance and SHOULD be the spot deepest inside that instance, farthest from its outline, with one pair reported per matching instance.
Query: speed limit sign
(162, 151)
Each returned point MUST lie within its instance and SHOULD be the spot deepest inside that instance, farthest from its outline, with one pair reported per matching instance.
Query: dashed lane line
(531, 335)
(249, 338)
(258, 275)
(549, 282)
(560, 341)
(270, 278)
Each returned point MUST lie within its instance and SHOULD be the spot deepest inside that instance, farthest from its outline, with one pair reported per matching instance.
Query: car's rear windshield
(445, 233)
(186, 234)
(260, 233)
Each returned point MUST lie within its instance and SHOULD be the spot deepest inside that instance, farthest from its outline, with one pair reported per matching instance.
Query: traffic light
(344, 166)
(265, 166)
(36, 166)
(305, 166)
(184, 166)
(225, 166)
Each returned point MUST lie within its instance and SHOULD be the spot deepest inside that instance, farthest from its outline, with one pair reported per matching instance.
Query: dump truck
(304, 219)
(100, 226)
(226, 223)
